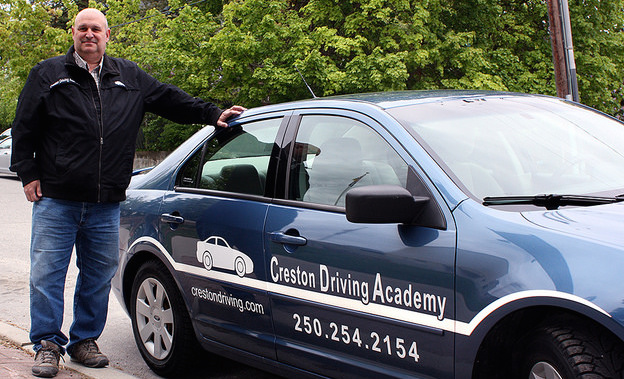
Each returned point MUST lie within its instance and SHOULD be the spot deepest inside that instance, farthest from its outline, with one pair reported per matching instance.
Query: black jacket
(81, 144)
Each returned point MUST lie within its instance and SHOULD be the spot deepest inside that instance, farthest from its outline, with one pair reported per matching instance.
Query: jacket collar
(108, 67)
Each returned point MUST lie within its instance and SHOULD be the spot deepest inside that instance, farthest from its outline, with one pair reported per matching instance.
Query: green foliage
(26, 37)
(339, 46)
(600, 55)
(248, 51)
(506, 46)
(159, 134)
(172, 48)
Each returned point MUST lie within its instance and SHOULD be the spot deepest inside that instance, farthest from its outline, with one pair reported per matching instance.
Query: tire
(207, 260)
(240, 267)
(160, 322)
(571, 349)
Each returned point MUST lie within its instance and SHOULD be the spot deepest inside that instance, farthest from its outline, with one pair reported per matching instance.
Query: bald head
(90, 33)
(90, 13)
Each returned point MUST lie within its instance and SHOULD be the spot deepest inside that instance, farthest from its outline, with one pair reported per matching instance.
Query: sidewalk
(17, 358)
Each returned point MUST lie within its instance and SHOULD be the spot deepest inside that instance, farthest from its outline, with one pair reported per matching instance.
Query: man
(73, 145)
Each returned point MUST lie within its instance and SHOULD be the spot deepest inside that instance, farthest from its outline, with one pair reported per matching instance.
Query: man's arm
(25, 132)
(173, 103)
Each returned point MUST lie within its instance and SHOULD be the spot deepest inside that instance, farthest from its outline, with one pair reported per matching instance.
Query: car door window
(6, 144)
(333, 154)
(236, 160)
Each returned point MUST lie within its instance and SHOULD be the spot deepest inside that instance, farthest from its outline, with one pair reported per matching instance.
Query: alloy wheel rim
(544, 370)
(154, 318)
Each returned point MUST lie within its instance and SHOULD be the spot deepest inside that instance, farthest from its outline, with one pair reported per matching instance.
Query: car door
(212, 223)
(353, 300)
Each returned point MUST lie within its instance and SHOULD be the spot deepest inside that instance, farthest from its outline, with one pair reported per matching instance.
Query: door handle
(286, 239)
(171, 219)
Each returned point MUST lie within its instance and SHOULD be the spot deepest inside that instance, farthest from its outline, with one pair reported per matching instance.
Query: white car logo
(216, 252)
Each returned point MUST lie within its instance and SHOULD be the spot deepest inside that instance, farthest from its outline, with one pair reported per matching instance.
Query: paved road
(116, 341)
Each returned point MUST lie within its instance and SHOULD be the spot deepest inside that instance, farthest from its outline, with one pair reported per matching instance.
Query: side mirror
(383, 204)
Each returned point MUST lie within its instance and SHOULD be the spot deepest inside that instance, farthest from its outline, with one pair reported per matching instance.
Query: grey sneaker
(87, 353)
(47, 360)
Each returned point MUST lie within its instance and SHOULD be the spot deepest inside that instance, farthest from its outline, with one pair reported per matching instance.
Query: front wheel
(571, 349)
(160, 322)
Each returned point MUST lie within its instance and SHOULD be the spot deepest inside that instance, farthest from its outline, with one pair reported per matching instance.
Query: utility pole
(563, 51)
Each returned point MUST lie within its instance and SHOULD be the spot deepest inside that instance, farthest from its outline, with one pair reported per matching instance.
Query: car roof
(383, 100)
(401, 98)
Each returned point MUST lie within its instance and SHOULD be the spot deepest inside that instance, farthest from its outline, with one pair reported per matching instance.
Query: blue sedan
(446, 234)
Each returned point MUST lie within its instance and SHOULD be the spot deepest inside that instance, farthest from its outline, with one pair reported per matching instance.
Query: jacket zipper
(101, 130)
(101, 149)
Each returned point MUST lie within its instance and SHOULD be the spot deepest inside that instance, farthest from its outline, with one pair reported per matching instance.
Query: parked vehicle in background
(445, 234)
(5, 157)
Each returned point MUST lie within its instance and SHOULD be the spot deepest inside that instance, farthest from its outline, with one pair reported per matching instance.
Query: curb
(20, 338)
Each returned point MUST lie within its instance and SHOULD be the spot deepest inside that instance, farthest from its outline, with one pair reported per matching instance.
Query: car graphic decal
(215, 251)
(404, 315)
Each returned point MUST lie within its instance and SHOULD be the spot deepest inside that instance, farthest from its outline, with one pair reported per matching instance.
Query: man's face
(90, 33)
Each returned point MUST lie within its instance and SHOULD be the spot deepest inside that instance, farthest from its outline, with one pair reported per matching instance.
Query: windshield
(520, 145)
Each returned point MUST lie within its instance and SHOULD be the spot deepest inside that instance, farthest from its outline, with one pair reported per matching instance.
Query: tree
(378, 45)
(27, 37)
(512, 41)
(248, 51)
(597, 29)
(514, 36)
(171, 46)
(339, 46)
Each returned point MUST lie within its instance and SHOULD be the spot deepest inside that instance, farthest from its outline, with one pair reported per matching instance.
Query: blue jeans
(58, 226)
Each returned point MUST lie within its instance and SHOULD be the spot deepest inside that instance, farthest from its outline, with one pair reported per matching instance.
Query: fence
(144, 159)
